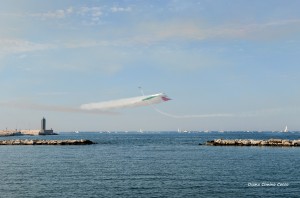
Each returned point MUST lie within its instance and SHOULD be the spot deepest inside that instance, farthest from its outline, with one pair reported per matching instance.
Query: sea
(153, 164)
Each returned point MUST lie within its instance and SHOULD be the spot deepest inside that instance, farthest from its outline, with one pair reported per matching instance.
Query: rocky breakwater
(46, 142)
(251, 142)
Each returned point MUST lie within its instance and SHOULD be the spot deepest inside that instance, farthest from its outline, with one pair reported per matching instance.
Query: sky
(234, 63)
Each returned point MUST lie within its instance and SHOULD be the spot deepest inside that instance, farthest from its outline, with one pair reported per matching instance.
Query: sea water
(150, 165)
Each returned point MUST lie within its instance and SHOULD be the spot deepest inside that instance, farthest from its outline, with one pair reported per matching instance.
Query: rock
(264, 143)
(286, 143)
(16, 142)
(295, 142)
(255, 142)
(251, 142)
(28, 142)
(46, 142)
(275, 140)
(230, 142)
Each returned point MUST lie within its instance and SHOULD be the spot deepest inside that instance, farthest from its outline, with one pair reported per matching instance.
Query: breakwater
(46, 142)
(26, 132)
(10, 133)
(252, 142)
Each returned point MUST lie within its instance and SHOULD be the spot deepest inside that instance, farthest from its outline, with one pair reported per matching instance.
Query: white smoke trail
(187, 116)
(96, 108)
(126, 102)
(42, 107)
(193, 116)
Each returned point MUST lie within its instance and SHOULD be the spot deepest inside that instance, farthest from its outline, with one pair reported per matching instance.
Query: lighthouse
(44, 130)
(43, 125)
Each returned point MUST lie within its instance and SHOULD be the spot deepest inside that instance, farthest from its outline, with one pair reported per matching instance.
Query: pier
(16, 132)
(252, 142)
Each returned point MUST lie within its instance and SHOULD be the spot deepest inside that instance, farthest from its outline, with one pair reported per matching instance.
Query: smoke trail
(126, 102)
(96, 108)
(42, 107)
(186, 116)
(193, 116)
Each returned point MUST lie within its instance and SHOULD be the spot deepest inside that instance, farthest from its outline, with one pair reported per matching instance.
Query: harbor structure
(43, 125)
(42, 131)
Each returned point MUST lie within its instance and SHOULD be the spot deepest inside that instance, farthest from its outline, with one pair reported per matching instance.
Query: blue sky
(237, 58)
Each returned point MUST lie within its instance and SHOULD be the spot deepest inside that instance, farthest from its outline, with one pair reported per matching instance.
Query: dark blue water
(150, 165)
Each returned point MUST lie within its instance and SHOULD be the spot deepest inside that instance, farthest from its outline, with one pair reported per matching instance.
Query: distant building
(43, 130)
(43, 125)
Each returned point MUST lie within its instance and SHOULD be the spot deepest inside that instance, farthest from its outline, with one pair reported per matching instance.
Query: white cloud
(269, 30)
(90, 15)
(90, 11)
(84, 43)
(56, 14)
(177, 30)
(10, 46)
(120, 9)
(69, 10)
